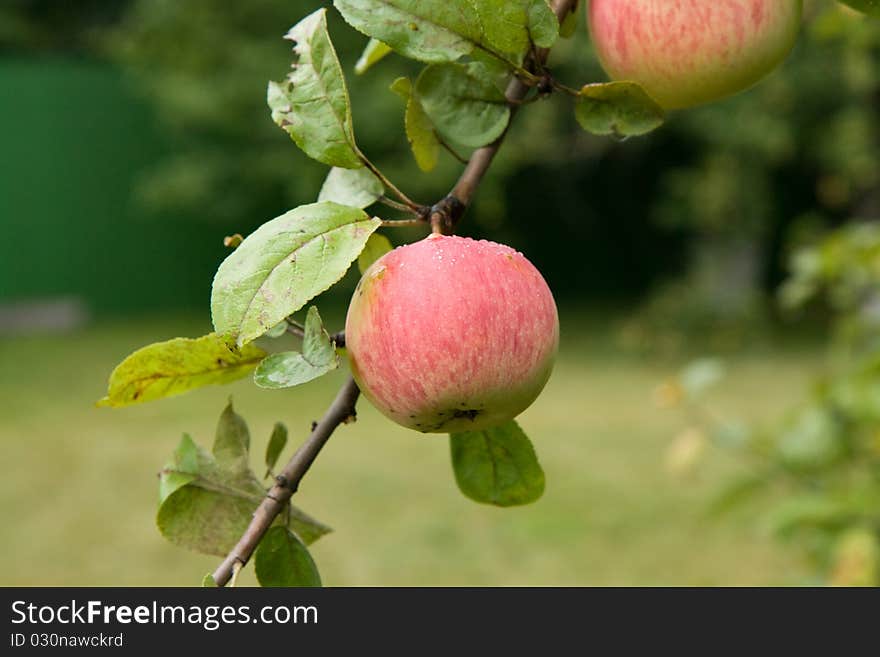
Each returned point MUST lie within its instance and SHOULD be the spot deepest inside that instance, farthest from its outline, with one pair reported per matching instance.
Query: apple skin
(452, 334)
(690, 52)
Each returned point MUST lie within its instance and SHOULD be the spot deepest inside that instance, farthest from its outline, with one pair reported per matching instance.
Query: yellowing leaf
(419, 129)
(176, 366)
(377, 246)
(374, 52)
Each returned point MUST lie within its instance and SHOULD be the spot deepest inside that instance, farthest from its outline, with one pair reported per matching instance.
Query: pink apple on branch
(452, 334)
(689, 52)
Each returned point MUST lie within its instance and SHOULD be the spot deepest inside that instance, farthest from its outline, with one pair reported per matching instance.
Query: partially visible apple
(689, 52)
(452, 334)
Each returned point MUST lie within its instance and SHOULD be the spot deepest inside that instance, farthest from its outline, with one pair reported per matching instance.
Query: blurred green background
(135, 137)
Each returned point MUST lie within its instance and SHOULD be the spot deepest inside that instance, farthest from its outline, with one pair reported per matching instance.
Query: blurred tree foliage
(817, 467)
(697, 216)
(65, 26)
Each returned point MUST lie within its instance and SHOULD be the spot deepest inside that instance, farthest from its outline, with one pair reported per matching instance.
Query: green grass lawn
(78, 493)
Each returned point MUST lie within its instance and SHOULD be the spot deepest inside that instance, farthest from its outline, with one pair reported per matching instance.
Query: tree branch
(444, 216)
(444, 220)
(342, 410)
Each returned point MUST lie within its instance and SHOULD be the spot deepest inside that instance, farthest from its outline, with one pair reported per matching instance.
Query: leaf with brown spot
(164, 369)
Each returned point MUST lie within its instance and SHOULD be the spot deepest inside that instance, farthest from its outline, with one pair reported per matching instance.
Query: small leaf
(312, 103)
(356, 188)
(206, 506)
(542, 23)
(206, 521)
(232, 441)
(284, 264)
(463, 102)
(375, 52)
(622, 109)
(277, 442)
(282, 560)
(510, 26)
(165, 369)
(208, 581)
(426, 30)
(497, 466)
(419, 130)
(305, 526)
(181, 470)
(277, 331)
(377, 246)
(569, 25)
(292, 368)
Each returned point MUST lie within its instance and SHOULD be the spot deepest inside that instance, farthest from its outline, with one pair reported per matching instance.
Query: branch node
(446, 214)
(546, 85)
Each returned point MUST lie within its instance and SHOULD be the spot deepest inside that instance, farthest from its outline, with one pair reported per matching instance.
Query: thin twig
(481, 159)
(571, 91)
(391, 203)
(407, 201)
(295, 328)
(403, 223)
(342, 410)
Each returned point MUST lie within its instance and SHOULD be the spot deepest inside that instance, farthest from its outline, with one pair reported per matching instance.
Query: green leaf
(183, 468)
(305, 526)
(282, 560)
(377, 246)
(869, 7)
(543, 25)
(292, 368)
(569, 25)
(232, 441)
(510, 26)
(277, 331)
(497, 466)
(622, 109)
(165, 369)
(463, 102)
(284, 264)
(436, 31)
(426, 30)
(277, 442)
(208, 581)
(312, 103)
(206, 521)
(356, 188)
(375, 52)
(207, 503)
(419, 130)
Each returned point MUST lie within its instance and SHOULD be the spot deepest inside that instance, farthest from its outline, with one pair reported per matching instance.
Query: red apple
(688, 52)
(452, 334)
